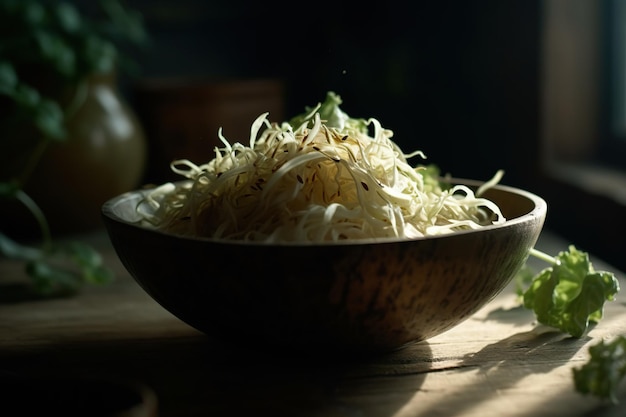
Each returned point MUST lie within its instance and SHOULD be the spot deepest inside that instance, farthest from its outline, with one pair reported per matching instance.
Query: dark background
(457, 80)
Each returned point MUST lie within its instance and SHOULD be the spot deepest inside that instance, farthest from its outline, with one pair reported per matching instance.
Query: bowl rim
(539, 211)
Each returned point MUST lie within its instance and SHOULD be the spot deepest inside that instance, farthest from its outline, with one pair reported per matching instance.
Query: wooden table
(497, 363)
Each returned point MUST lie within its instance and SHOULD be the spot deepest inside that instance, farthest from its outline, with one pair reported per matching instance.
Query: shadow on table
(537, 346)
(506, 362)
(197, 375)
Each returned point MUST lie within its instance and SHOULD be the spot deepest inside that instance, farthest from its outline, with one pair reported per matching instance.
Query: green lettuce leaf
(606, 368)
(333, 115)
(570, 294)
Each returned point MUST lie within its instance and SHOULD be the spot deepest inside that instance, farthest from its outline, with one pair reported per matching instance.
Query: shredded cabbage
(320, 177)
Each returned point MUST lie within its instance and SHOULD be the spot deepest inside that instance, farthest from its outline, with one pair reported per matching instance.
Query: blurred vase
(182, 116)
(104, 155)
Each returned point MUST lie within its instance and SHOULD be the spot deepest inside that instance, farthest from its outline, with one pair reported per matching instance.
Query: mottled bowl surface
(357, 296)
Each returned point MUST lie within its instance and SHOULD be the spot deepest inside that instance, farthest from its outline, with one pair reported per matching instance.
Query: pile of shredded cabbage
(320, 177)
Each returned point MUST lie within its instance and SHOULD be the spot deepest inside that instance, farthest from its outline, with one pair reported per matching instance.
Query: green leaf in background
(570, 294)
(67, 16)
(606, 368)
(523, 279)
(26, 97)
(57, 52)
(62, 269)
(44, 113)
(89, 261)
(50, 120)
(49, 279)
(8, 78)
(34, 13)
(100, 53)
(8, 189)
(123, 23)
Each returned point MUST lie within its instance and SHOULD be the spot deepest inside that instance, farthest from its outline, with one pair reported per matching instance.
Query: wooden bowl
(351, 296)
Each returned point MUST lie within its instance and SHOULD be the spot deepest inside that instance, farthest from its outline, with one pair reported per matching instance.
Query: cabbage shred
(320, 177)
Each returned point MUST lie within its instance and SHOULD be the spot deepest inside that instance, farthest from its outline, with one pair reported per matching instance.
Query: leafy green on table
(54, 267)
(569, 295)
(606, 368)
(60, 269)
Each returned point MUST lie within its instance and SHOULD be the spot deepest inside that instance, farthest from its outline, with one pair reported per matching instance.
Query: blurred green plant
(48, 49)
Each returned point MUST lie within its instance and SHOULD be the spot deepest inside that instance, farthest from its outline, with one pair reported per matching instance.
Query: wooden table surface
(497, 363)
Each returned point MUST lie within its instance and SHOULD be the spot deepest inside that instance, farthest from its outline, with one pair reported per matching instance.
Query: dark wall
(457, 80)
